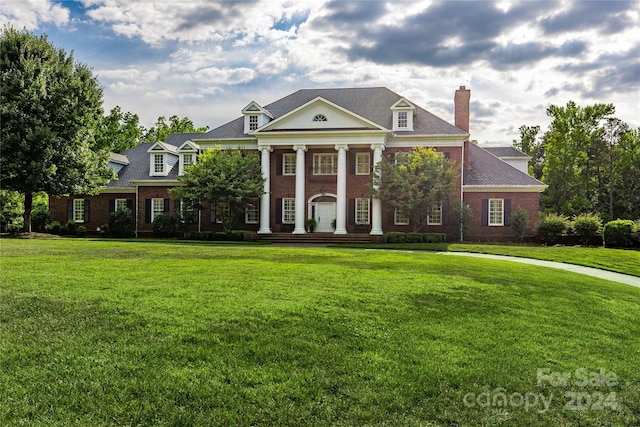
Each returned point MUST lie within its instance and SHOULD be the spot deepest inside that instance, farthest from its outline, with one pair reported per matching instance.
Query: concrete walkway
(593, 272)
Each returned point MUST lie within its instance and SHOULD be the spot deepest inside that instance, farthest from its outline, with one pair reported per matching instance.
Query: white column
(300, 223)
(376, 204)
(341, 191)
(265, 205)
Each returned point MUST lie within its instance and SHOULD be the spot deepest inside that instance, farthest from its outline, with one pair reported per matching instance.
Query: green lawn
(123, 333)
(624, 261)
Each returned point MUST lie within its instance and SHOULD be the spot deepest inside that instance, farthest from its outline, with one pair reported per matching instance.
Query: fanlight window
(320, 118)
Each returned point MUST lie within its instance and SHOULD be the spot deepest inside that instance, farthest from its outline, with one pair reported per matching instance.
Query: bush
(395, 237)
(519, 223)
(39, 217)
(620, 233)
(461, 217)
(104, 230)
(122, 224)
(165, 225)
(413, 237)
(434, 237)
(53, 228)
(82, 231)
(551, 227)
(70, 228)
(586, 226)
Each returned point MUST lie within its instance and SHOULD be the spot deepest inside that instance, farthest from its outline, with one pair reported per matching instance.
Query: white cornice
(503, 188)
(154, 183)
(112, 190)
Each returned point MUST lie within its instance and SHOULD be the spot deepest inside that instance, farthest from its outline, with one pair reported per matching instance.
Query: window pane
(78, 210)
(288, 210)
(495, 212)
(289, 164)
(363, 166)
(188, 160)
(253, 122)
(325, 164)
(158, 163)
(120, 203)
(157, 208)
(251, 212)
(402, 119)
(435, 215)
(362, 211)
(400, 217)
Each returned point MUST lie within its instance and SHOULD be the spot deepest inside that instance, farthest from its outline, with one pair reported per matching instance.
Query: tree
(626, 187)
(49, 110)
(162, 129)
(531, 145)
(417, 186)
(228, 179)
(118, 131)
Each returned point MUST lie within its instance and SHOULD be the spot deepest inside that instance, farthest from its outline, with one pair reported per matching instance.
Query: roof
(118, 158)
(177, 139)
(484, 168)
(373, 104)
(506, 151)
(138, 168)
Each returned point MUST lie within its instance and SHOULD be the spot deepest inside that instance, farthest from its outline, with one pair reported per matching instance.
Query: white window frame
(157, 207)
(288, 164)
(363, 211)
(320, 118)
(158, 163)
(403, 119)
(253, 122)
(399, 217)
(323, 167)
(363, 163)
(289, 210)
(496, 212)
(120, 203)
(251, 212)
(435, 211)
(185, 164)
(78, 210)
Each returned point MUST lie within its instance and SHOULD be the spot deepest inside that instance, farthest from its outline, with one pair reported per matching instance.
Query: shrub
(165, 225)
(70, 228)
(434, 237)
(413, 237)
(53, 228)
(519, 223)
(586, 226)
(620, 233)
(395, 237)
(39, 217)
(461, 216)
(82, 231)
(104, 230)
(121, 223)
(551, 227)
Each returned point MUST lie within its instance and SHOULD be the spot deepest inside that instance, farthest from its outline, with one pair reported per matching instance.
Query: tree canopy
(415, 186)
(228, 179)
(162, 129)
(119, 131)
(49, 108)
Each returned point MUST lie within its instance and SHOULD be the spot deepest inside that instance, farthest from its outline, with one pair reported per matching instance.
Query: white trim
(495, 224)
(153, 210)
(503, 188)
(334, 164)
(154, 183)
(368, 211)
(75, 210)
(112, 190)
(395, 218)
(257, 213)
(284, 203)
(438, 208)
(290, 164)
(368, 163)
(115, 203)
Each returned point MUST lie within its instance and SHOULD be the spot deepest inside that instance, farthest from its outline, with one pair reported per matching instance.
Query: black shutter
(166, 205)
(279, 211)
(86, 211)
(279, 164)
(447, 155)
(130, 203)
(507, 211)
(147, 210)
(112, 205)
(445, 212)
(352, 162)
(176, 206)
(485, 211)
(351, 207)
(391, 217)
(70, 210)
(212, 214)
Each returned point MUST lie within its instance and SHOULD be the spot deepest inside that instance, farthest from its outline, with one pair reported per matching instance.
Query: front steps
(316, 238)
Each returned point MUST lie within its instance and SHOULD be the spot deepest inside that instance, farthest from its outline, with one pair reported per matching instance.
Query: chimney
(461, 101)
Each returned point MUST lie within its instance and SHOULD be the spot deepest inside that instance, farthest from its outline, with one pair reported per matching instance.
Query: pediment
(189, 147)
(403, 104)
(161, 147)
(320, 114)
(255, 108)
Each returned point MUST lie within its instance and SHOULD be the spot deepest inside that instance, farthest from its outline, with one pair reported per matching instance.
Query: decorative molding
(298, 147)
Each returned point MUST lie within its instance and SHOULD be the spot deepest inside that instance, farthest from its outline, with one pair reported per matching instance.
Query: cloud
(31, 14)
(225, 75)
(608, 16)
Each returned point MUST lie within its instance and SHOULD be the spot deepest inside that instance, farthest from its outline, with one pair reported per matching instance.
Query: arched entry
(322, 208)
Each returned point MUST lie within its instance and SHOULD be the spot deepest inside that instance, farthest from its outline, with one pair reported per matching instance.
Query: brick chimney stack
(461, 101)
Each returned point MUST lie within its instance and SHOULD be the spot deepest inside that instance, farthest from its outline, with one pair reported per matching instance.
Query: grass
(624, 261)
(116, 333)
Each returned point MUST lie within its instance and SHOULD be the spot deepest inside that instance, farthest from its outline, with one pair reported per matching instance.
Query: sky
(206, 60)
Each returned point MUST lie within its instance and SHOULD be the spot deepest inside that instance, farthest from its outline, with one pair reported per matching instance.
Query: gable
(320, 114)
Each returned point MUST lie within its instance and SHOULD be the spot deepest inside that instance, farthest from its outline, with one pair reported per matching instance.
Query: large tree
(626, 188)
(162, 129)
(415, 184)
(49, 108)
(533, 146)
(119, 131)
(228, 179)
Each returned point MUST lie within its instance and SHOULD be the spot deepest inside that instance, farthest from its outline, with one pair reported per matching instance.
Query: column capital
(265, 148)
(299, 147)
(344, 147)
(380, 147)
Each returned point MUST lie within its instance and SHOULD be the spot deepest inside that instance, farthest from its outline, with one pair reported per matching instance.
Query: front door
(325, 214)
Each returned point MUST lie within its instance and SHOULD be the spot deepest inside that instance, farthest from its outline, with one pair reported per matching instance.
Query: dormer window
(188, 156)
(158, 164)
(320, 118)
(402, 119)
(162, 158)
(253, 122)
(403, 112)
(255, 117)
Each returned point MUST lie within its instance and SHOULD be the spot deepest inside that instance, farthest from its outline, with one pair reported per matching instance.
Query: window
(400, 217)
(363, 164)
(187, 160)
(402, 119)
(325, 164)
(434, 216)
(289, 210)
(362, 211)
(222, 212)
(401, 158)
(320, 118)
(289, 164)
(157, 208)
(251, 212)
(158, 163)
(496, 212)
(120, 203)
(78, 210)
(253, 122)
